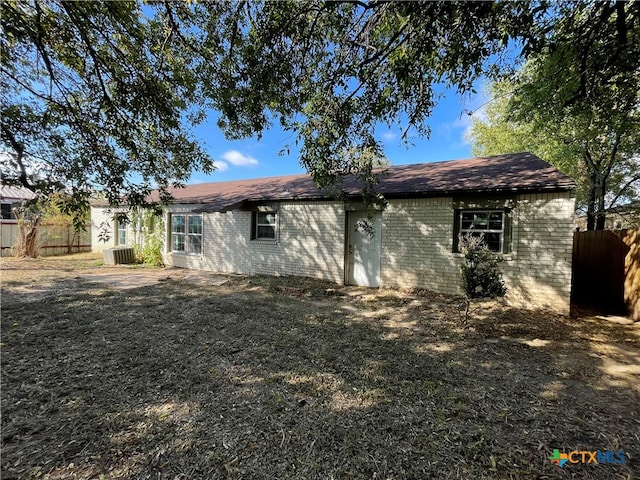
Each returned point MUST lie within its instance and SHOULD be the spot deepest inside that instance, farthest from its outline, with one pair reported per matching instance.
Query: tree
(104, 93)
(577, 104)
(29, 217)
(58, 213)
(561, 142)
(333, 71)
(92, 98)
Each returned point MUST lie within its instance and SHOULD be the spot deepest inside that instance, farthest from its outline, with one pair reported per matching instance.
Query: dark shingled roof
(519, 172)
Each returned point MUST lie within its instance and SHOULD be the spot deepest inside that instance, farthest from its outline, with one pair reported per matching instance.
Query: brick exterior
(103, 221)
(538, 272)
(102, 218)
(417, 244)
(417, 248)
(310, 243)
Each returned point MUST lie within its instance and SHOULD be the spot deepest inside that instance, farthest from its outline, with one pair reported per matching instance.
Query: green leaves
(331, 72)
(113, 91)
(119, 85)
(575, 104)
(480, 271)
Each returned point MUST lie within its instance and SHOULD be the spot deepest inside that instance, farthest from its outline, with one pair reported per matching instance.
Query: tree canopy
(91, 98)
(577, 104)
(104, 94)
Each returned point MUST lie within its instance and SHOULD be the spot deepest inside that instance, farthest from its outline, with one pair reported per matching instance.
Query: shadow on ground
(290, 378)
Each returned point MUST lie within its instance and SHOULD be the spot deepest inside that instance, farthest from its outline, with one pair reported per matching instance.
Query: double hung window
(488, 224)
(122, 232)
(186, 233)
(264, 226)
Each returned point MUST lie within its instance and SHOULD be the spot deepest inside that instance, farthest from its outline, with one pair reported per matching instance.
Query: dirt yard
(135, 373)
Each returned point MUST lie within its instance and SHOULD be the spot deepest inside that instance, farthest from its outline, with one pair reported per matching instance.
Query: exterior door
(363, 248)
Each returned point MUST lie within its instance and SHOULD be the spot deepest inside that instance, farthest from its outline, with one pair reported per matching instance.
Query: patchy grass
(261, 378)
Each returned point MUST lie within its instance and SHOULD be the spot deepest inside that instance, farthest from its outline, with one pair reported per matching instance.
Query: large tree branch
(621, 24)
(41, 48)
(32, 91)
(384, 52)
(588, 160)
(624, 188)
(53, 77)
(18, 148)
(612, 156)
(97, 62)
(175, 29)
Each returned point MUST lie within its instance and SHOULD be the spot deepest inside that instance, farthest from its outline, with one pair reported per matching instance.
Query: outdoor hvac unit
(117, 255)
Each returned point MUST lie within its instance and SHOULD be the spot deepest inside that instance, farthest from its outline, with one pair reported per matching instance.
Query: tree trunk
(591, 202)
(27, 245)
(600, 212)
(600, 194)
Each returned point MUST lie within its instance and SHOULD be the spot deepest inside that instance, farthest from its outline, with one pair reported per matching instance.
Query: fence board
(606, 267)
(52, 239)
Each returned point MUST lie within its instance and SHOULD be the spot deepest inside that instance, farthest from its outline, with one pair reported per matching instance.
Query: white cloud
(221, 166)
(389, 136)
(238, 159)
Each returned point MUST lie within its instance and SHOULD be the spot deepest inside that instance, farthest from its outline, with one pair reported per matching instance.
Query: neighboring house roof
(518, 172)
(14, 193)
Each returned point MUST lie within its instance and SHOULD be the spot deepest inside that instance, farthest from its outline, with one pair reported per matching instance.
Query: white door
(363, 248)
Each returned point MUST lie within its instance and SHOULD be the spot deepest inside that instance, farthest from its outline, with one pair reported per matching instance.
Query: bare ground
(180, 375)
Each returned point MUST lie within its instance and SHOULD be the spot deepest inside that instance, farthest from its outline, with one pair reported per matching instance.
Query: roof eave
(478, 191)
(390, 195)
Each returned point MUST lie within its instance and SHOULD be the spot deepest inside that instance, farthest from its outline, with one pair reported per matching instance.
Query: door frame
(348, 254)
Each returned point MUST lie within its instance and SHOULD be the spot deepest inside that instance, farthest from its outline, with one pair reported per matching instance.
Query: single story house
(287, 226)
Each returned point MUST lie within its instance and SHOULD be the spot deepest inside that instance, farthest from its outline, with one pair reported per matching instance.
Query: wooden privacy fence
(606, 271)
(53, 239)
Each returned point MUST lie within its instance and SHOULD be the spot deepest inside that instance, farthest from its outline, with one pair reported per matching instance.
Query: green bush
(150, 253)
(481, 275)
(149, 239)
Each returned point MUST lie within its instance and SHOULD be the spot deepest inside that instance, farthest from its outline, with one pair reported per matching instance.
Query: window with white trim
(264, 226)
(121, 231)
(186, 233)
(490, 224)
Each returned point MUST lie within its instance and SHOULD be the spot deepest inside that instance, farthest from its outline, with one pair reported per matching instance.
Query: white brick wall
(417, 248)
(417, 236)
(417, 244)
(310, 243)
(538, 273)
(98, 216)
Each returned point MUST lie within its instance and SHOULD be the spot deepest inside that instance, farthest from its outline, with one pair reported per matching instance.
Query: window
(488, 223)
(7, 211)
(264, 226)
(186, 233)
(122, 232)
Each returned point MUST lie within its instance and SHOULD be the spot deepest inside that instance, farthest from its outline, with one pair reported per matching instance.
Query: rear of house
(522, 207)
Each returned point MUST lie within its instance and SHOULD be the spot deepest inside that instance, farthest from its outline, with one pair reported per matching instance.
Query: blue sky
(253, 158)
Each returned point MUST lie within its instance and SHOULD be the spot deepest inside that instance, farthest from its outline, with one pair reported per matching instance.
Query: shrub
(481, 275)
(149, 243)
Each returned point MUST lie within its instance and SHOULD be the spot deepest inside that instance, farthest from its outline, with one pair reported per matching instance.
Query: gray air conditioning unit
(118, 255)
